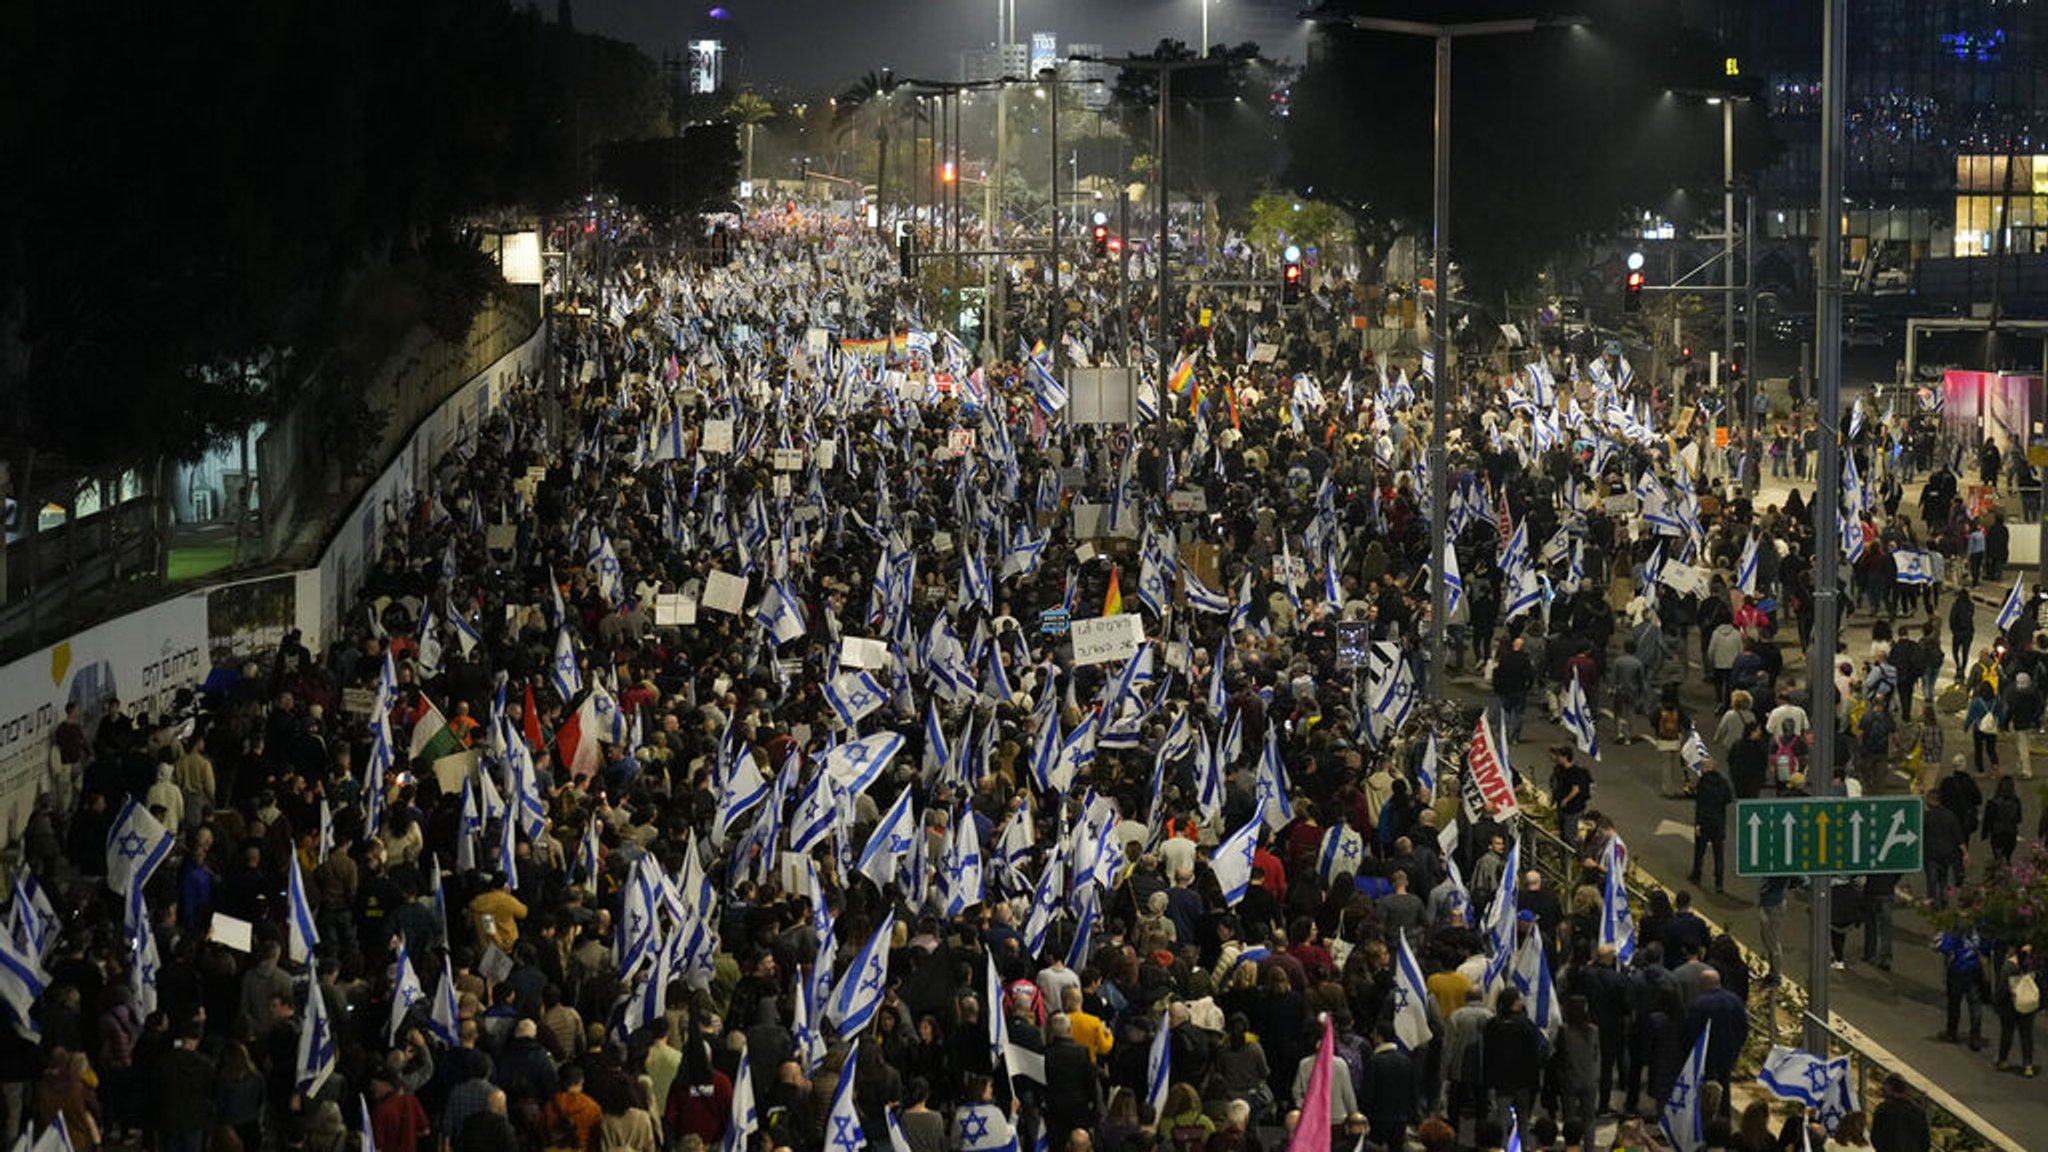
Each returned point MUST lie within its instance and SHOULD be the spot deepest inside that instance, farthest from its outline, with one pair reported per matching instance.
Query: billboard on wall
(147, 660)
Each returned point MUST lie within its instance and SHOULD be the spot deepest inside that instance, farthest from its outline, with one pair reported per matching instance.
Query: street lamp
(1726, 102)
(1439, 380)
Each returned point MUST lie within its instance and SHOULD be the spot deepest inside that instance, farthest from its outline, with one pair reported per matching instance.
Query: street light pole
(1827, 496)
(1440, 235)
(1055, 315)
(1728, 255)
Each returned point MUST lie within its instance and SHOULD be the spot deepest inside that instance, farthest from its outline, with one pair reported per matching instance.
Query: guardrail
(1777, 1014)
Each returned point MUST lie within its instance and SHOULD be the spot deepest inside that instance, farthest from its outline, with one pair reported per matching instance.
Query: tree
(1277, 221)
(748, 110)
(867, 102)
(1226, 137)
(675, 178)
(1556, 134)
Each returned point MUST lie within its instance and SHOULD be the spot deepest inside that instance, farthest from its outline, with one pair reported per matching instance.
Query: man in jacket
(1464, 1058)
(1513, 676)
(1389, 1103)
(1729, 1017)
(1073, 1095)
(1710, 799)
(1514, 1052)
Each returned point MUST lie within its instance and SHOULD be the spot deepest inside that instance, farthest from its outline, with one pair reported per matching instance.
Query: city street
(1901, 1010)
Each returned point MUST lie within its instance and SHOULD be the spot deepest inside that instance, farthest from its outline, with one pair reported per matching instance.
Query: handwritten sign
(789, 459)
(672, 609)
(1106, 639)
(1265, 353)
(860, 652)
(724, 592)
(717, 436)
(1188, 500)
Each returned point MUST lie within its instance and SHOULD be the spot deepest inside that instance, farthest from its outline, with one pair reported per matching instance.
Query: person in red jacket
(396, 1119)
(700, 1099)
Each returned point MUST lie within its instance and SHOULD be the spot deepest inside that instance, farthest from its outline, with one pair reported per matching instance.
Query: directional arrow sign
(1808, 835)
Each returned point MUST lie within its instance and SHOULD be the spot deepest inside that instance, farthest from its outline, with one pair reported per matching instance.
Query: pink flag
(1312, 1134)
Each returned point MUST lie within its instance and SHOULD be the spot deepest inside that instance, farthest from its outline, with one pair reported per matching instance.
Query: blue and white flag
(1795, 1074)
(1617, 924)
(566, 672)
(746, 1119)
(1578, 718)
(960, 869)
(1915, 566)
(1159, 1065)
(1232, 861)
(136, 845)
(780, 613)
(1745, 570)
(1682, 1115)
(649, 1001)
(859, 992)
(1411, 1000)
(1082, 948)
(842, 1124)
(1342, 853)
(1531, 975)
(1046, 902)
(1045, 388)
(318, 1052)
(984, 1128)
(1201, 597)
(818, 814)
(1270, 790)
(22, 983)
(299, 915)
(406, 992)
(1393, 696)
(743, 789)
(2015, 604)
(443, 1024)
(891, 840)
(1425, 772)
(857, 764)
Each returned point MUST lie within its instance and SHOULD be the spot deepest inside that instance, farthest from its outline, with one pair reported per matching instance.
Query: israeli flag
(859, 993)
(136, 846)
(1682, 1115)
(1232, 861)
(1046, 901)
(842, 1124)
(304, 936)
(2015, 604)
(743, 790)
(1342, 853)
(1531, 975)
(857, 764)
(1270, 790)
(1159, 1065)
(1745, 569)
(1915, 566)
(817, 814)
(1393, 696)
(649, 1001)
(984, 1128)
(887, 844)
(1425, 772)
(407, 992)
(1795, 1074)
(1693, 752)
(1454, 584)
(1201, 597)
(805, 1040)
(318, 1052)
(566, 672)
(1411, 1000)
(1082, 948)
(1579, 718)
(1852, 537)
(746, 1119)
(22, 983)
(781, 614)
(1048, 391)
(960, 869)
(853, 695)
(1617, 924)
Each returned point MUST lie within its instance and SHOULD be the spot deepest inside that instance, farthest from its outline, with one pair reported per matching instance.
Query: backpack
(1876, 736)
(1024, 996)
(1669, 723)
(1784, 759)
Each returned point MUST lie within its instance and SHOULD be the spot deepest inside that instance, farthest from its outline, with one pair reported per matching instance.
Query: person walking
(1964, 980)
(2016, 994)
(1710, 799)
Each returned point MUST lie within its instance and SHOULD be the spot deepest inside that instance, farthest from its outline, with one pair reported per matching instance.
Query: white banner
(1107, 638)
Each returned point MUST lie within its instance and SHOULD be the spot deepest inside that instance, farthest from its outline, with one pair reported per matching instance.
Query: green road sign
(1827, 834)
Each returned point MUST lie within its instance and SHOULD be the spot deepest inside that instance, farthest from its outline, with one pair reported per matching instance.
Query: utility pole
(1827, 498)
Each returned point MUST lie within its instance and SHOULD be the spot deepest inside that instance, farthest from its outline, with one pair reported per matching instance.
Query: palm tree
(871, 92)
(748, 110)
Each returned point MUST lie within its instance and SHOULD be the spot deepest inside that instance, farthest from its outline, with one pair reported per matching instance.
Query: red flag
(576, 742)
(1312, 1134)
(529, 719)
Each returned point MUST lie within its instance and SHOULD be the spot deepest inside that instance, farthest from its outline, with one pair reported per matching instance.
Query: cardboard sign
(1685, 579)
(1188, 500)
(717, 436)
(942, 542)
(500, 537)
(1107, 638)
(1054, 621)
(230, 932)
(724, 592)
(817, 344)
(451, 771)
(860, 652)
(779, 486)
(826, 454)
(357, 703)
(1622, 505)
(789, 459)
(1265, 353)
(672, 609)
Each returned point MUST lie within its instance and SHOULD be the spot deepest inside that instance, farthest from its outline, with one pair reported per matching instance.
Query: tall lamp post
(1439, 379)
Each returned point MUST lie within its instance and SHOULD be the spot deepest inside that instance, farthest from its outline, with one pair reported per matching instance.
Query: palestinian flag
(431, 736)
(1113, 602)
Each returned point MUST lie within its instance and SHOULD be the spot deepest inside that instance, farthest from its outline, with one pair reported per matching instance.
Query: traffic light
(1290, 282)
(1632, 294)
(946, 172)
(1101, 240)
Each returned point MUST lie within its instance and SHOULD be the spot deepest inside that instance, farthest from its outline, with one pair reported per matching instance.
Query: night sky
(813, 46)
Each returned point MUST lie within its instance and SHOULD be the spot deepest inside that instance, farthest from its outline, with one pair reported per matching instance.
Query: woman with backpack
(2016, 993)
(1982, 723)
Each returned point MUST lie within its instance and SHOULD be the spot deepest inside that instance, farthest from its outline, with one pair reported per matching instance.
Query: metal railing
(1784, 1001)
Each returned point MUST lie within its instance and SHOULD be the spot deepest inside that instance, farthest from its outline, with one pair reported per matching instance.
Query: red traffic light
(1293, 273)
(946, 172)
(1635, 281)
